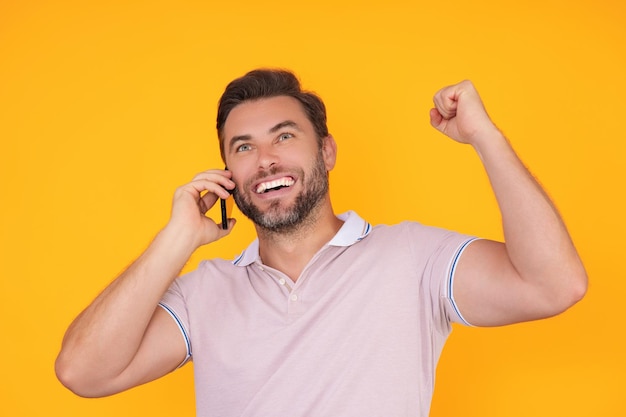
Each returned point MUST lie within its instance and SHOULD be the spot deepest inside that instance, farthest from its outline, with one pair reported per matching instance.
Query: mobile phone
(226, 207)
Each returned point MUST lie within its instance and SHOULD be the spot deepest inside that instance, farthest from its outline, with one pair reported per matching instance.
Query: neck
(290, 251)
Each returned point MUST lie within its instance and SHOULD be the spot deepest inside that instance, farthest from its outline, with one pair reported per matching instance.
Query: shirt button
(282, 281)
(293, 297)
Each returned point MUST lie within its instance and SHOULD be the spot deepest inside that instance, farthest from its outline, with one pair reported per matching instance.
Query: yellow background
(107, 106)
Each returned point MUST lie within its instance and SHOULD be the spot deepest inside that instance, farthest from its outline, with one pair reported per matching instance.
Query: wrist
(492, 140)
(177, 241)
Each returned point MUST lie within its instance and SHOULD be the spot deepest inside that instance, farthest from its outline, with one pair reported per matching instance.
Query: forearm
(105, 337)
(537, 241)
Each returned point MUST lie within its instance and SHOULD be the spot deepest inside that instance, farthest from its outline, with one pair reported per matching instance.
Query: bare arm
(122, 339)
(537, 272)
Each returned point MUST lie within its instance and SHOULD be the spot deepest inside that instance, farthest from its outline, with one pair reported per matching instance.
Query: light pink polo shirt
(358, 334)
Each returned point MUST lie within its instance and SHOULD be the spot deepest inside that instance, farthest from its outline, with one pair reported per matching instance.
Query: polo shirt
(358, 334)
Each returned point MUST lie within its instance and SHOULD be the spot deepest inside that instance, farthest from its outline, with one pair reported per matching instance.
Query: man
(322, 315)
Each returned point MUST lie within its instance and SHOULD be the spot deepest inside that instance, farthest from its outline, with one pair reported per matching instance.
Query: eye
(243, 148)
(284, 136)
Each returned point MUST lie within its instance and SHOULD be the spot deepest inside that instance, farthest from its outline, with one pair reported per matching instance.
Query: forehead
(258, 116)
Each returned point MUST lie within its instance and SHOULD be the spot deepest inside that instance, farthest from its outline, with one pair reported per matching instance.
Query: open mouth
(274, 185)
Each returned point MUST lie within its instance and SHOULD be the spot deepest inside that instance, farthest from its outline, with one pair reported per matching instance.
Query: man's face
(281, 172)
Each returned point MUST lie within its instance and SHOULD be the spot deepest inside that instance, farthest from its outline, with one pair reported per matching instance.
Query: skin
(535, 274)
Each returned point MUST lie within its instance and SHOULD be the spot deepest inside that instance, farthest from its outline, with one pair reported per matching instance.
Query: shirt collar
(353, 230)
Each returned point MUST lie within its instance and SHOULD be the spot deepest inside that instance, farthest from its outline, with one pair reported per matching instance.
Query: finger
(231, 224)
(200, 185)
(202, 193)
(207, 201)
(442, 106)
(225, 232)
(435, 118)
(215, 174)
(446, 102)
(219, 176)
(204, 206)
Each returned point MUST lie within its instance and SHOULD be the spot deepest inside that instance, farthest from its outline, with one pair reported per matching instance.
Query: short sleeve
(174, 304)
(442, 249)
(452, 309)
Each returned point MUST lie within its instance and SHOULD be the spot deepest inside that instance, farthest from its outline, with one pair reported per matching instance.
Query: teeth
(282, 182)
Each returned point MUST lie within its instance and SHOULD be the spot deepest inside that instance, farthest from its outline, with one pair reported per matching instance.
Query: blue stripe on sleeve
(182, 331)
(455, 260)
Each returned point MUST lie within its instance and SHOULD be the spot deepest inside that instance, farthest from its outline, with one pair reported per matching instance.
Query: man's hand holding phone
(193, 200)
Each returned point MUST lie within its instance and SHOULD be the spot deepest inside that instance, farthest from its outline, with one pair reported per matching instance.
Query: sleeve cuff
(171, 312)
(452, 271)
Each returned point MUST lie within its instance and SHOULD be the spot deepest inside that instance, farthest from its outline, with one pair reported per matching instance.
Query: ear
(329, 152)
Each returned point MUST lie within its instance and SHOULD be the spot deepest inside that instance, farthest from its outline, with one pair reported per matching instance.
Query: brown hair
(266, 83)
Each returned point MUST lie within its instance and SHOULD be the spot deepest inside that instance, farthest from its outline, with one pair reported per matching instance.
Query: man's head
(274, 139)
(266, 83)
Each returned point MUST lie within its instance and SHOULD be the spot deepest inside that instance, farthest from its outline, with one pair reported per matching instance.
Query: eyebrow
(286, 123)
(274, 129)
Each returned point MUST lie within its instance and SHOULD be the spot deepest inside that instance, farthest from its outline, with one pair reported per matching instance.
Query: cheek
(237, 175)
(239, 181)
(240, 169)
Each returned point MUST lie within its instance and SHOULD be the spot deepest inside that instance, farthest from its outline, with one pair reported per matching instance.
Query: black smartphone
(226, 207)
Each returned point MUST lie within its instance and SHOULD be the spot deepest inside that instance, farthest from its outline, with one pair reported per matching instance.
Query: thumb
(231, 224)
(436, 118)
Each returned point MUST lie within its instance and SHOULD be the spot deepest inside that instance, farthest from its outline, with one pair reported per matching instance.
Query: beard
(287, 219)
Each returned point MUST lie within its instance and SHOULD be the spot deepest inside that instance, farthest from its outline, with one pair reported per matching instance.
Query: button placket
(275, 276)
(294, 303)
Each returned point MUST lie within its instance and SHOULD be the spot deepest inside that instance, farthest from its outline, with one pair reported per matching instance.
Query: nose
(267, 157)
